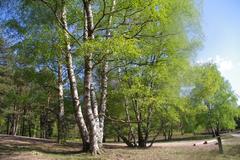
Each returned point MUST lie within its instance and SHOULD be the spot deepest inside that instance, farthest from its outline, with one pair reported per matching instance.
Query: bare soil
(24, 148)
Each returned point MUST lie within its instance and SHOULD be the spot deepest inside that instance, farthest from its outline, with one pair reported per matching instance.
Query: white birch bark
(104, 84)
(88, 79)
(61, 121)
(73, 85)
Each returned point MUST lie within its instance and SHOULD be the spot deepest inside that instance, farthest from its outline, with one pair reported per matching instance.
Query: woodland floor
(22, 148)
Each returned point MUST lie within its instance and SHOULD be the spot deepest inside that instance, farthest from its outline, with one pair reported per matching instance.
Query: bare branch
(60, 24)
(103, 15)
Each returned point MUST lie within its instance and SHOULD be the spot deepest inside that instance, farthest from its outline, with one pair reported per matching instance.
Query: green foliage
(214, 98)
(149, 75)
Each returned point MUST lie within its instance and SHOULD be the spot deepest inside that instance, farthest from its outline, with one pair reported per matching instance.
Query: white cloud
(224, 64)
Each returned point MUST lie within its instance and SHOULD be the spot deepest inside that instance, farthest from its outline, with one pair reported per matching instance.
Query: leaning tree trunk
(73, 85)
(88, 79)
(61, 122)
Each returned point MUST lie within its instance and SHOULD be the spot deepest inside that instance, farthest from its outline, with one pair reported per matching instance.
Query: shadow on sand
(10, 145)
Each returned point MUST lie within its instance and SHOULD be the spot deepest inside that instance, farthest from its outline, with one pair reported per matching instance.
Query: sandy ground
(23, 148)
(173, 144)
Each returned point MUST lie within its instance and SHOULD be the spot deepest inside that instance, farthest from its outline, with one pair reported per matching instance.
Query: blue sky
(221, 26)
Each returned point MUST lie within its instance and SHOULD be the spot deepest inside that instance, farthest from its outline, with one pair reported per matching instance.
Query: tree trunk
(14, 122)
(219, 140)
(149, 119)
(16, 125)
(23, 122)
(46, 119)
(170, 134)
(125, 140)
(103, 102)
(95, 112)
(29, 128)
(8, 124)
(104, 84)
(104, 139)
(73, 85)
(88, 79)
(61, 122)
(165, 134)
(87, 104)
(213, 132)
(220, 144)
(43, 124)
(138, 115)
(23, 127)
(141, 142)
(131, 134)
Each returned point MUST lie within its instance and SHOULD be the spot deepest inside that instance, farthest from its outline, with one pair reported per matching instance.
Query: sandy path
(236, 135)
(173, 144)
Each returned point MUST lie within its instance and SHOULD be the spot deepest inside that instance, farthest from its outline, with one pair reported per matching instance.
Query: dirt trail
(236, 135)
(173, 143)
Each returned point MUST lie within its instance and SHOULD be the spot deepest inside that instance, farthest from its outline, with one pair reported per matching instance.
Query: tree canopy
(101, 69)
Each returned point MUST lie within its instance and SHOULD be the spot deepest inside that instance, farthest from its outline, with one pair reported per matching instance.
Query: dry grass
(16, 148)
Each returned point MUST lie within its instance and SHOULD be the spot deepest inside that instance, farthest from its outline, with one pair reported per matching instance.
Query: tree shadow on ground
(234, 150)
(11, 144)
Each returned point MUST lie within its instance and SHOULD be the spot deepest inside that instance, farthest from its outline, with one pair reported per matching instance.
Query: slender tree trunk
(46, 119)
(8, 124)
(103, 101)
(87, 104)
(29, 128)
(125, 140)
(23, 122)
(43, 124)
(149, 118)
(219, 140)
(16, 125)
(170, 134)
(73, 85)
(131, 134)
(141, 142)
(88, 79)
(23, 127)
(165, 134)
(14, 122)
(104, 84)
(104, 139)
(95, 112)
(61, 122)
